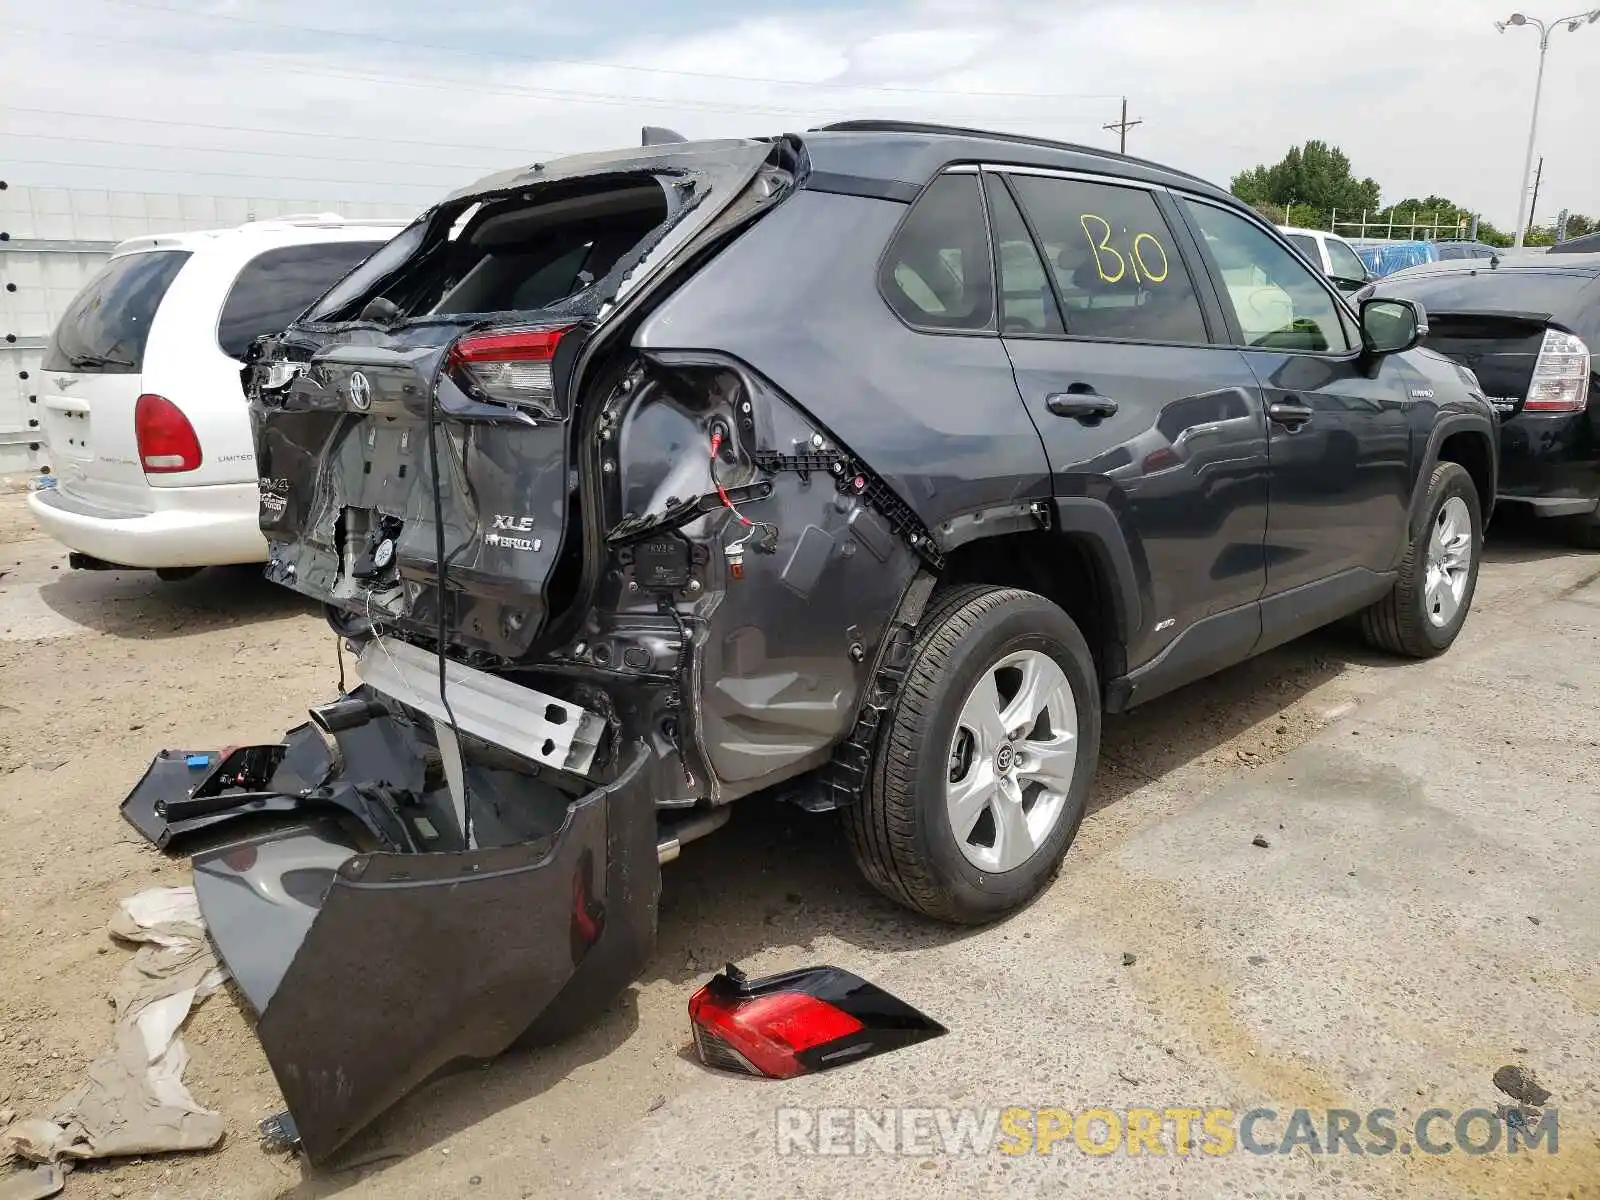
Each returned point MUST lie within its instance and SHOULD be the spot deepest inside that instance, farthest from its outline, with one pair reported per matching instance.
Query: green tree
(1578, 225)
(1314, 178)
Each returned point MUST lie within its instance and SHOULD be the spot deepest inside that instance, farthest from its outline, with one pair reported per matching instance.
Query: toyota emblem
(360, 391)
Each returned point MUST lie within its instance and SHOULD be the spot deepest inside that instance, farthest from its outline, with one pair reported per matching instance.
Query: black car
(1527, 327)
(1465, 249)
(866, 467)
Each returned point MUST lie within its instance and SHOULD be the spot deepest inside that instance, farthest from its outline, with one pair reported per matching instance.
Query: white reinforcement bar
(539, 727)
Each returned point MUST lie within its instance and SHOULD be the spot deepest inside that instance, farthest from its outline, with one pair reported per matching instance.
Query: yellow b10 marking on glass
(1101, 246)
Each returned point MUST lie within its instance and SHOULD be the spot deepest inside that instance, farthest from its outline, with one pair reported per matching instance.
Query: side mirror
(1389, 326)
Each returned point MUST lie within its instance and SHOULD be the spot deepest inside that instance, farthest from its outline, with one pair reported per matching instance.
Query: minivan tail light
(167, 442)
(1560, 375)
(510, 366)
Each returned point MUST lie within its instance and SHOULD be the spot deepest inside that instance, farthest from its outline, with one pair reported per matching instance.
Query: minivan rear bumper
(208, 526)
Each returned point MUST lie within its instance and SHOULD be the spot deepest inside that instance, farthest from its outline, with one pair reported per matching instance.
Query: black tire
(900, 829)
(1400, 623)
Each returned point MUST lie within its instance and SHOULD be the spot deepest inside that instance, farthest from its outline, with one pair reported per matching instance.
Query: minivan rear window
(276, 286)
(105, 328)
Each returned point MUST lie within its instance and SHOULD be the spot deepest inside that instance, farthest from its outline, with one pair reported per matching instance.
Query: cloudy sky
(401, 100)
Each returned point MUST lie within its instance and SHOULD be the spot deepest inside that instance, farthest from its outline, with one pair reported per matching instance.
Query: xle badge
(514, 525)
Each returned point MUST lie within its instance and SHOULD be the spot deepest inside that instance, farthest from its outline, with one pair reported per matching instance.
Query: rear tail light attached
(510, 366)
(800, 1021)
(167, 442)
(1560, 376)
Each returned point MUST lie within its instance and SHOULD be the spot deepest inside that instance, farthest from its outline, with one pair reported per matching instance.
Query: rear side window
(1027, 305)
(937, 273)
(1115, 265)
(276, 286)
(105, 328)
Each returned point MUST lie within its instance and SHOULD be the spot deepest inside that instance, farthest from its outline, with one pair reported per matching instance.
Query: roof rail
(313, 219)
(877, 126)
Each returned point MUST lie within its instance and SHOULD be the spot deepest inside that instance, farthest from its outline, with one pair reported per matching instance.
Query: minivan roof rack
(1023, 139)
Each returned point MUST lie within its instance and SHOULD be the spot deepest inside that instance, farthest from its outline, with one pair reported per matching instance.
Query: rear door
(92, 376)
(1340, 430)
(1137, 405)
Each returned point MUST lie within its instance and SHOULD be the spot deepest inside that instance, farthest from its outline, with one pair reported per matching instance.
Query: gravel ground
(98, 671)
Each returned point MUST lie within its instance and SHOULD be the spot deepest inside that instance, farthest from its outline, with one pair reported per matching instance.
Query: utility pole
(1122, 128)
(1538, 175)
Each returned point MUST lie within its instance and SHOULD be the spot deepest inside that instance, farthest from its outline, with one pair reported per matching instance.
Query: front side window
(1278, 301)
(276, 286)
(1346, 262)
(1115, 265)
(937, 273)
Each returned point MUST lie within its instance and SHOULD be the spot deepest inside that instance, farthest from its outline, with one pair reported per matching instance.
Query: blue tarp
(1385, 258)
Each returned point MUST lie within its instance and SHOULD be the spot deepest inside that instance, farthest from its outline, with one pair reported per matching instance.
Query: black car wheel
(1423, 614)
(982, 769)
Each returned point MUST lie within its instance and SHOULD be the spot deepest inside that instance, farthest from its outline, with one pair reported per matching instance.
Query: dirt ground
(99, 671)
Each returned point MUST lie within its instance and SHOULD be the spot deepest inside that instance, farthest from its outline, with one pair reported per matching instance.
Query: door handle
(1081, 401)
(1290, 415)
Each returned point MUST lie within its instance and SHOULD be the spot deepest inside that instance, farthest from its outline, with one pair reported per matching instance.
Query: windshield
(105, 328)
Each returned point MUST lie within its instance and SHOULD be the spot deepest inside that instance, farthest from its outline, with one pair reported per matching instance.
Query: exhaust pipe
(680, 835)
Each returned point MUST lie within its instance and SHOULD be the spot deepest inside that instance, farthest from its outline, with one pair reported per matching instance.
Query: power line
(296, 133)
(344, 158)
(457, 86)
(612, 66)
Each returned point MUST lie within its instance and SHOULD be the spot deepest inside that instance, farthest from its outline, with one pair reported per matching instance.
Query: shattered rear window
(536, 250)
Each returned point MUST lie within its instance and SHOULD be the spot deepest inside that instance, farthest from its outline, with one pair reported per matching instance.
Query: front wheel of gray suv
(982, 768)
(1423, 614)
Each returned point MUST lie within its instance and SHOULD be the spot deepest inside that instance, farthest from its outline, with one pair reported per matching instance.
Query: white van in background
(1330, 254)
(141, 402)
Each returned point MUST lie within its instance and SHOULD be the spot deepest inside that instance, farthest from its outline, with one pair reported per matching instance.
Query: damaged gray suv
(866, 467)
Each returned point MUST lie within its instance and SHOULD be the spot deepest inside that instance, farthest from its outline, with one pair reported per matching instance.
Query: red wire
(716, 444)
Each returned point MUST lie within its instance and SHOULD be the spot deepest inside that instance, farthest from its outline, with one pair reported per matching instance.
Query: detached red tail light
(511, 366)
(800, 1021)
(167, 442)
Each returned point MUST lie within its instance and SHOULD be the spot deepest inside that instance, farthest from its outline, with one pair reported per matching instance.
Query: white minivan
(141, 401)
(1330, 254)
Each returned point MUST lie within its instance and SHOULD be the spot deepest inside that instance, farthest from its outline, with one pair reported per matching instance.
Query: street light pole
(1573, 24)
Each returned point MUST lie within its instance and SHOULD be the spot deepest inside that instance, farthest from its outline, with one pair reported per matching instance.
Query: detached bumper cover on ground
(372, 961)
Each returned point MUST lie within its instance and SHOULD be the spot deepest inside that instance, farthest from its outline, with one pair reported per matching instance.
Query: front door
(1137, 405)
(1340, 443)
